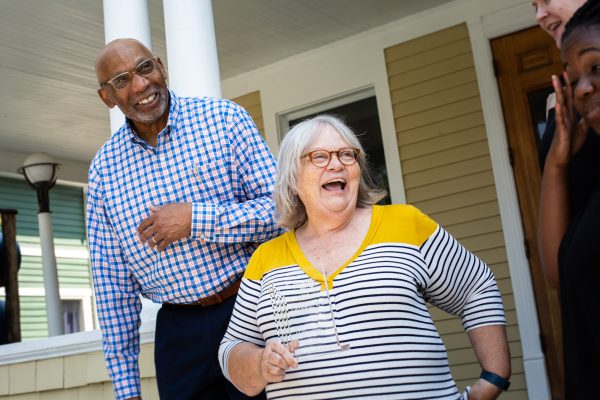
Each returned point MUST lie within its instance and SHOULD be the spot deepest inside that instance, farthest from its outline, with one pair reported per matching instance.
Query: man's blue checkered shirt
(210, 154)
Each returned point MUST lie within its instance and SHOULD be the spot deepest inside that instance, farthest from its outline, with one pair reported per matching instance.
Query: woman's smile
(335, 185)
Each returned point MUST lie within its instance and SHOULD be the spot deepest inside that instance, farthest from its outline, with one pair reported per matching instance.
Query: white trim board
(74, 343)
(64, 345)
(60, 252)
(340, 100)
(538, 386)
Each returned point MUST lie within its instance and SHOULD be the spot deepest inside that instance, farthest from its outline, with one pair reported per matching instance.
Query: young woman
(579, 255)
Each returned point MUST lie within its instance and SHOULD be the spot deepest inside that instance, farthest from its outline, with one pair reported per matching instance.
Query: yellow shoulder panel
(270, 255)
(402, 223)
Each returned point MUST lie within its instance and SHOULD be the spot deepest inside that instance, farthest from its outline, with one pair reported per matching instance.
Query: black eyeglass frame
(310, 155)
(130, 74)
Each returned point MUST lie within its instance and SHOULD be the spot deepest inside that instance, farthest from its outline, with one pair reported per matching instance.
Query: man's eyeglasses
(124, 79)
(322, 158)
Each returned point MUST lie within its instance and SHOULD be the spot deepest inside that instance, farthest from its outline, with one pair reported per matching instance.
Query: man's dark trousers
(185, 353)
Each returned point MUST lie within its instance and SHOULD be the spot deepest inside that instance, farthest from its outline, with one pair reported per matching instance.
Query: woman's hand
(554, 208)
(483, 390)
(276, 359)
(251, 368)
(570, 134)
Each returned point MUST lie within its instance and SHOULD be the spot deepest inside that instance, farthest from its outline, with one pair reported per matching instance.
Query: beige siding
(447, 171)
(82, 376)
(251, 102)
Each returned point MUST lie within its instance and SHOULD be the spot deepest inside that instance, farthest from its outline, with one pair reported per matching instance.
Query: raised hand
(570, 134)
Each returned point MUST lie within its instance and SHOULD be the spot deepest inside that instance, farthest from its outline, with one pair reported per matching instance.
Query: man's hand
(166, 224)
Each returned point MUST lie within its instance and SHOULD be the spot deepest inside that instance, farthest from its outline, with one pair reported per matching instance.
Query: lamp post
(40, 172)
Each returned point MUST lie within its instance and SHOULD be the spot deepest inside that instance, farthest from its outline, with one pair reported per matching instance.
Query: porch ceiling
(48, 98)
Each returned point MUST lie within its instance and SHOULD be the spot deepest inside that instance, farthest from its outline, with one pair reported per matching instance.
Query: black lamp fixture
(39, 170)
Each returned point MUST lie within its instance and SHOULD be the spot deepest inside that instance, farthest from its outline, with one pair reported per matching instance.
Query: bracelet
(495, 379)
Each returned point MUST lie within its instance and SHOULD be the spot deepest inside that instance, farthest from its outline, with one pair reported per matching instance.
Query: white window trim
(284, 118)
(481, 30)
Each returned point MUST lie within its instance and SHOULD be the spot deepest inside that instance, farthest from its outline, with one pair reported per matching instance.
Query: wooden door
(524, 63)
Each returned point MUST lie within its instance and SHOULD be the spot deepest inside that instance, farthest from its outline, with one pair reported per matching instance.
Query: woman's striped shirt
(374, 306)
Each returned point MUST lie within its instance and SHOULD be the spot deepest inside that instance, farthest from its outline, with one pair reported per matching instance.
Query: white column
(128, 19)
(52, 297)
(125, 19)
(191, 48)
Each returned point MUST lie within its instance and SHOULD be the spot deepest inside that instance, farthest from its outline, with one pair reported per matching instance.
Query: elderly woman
(365, 331)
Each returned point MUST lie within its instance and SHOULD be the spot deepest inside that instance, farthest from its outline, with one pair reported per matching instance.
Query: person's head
(553, 15)
(133, 79)
(321, 166)
(580, 54)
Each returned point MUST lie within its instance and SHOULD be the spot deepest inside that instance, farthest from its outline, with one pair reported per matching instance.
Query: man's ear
(162, 68)
(104, 97)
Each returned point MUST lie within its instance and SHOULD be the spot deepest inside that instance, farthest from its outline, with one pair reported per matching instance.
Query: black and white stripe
(380, 310)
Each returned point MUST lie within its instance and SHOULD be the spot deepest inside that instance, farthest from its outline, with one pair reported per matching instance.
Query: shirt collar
(174, 113)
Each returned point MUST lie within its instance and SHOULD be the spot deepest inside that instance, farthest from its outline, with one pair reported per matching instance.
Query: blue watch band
(495, 379)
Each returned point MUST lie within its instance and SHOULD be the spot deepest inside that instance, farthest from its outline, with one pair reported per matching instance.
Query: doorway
(524, 63)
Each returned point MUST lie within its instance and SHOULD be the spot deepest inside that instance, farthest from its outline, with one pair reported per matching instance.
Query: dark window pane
(71, 315)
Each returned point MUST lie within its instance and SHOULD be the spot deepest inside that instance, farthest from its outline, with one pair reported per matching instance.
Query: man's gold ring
(154, 240)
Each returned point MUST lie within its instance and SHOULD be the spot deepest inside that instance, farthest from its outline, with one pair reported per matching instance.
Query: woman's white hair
(290, 210)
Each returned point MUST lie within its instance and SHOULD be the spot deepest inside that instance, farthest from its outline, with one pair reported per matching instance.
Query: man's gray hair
(290, 210)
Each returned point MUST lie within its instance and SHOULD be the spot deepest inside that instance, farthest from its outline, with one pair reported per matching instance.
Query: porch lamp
(39, 170)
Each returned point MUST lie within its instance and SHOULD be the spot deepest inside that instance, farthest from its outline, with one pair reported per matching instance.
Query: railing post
(11, 280)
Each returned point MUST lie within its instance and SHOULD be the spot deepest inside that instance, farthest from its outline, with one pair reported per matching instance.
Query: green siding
(66, 204)
(33, 318)
(68, 223)
(34, 324)
(72, 272)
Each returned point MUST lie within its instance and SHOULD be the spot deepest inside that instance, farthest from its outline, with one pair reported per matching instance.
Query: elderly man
(177, 199)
